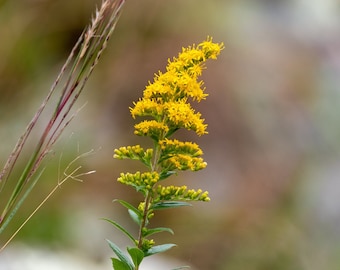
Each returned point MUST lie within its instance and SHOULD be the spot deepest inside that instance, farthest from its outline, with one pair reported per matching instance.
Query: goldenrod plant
(67, 87)
(165, 107)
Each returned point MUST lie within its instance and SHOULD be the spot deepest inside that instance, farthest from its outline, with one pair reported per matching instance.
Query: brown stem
(147, 202)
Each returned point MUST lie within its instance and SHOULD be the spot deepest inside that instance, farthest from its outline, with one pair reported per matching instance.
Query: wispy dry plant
(68, 86)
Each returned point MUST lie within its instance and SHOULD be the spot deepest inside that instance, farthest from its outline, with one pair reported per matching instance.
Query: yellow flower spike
(165, 105)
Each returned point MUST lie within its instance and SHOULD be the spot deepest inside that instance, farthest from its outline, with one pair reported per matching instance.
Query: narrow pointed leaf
(118, 226)
(119, 265)
(135, 217)
(21, 201)
(21, 182)
(166, 174)
(170, 204)
(137, 255)
(157, 230)
(159, 249)
(129, 206)
(120, 254)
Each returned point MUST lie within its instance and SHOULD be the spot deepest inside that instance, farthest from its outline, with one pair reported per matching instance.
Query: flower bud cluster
(140, 181)
(135, 152)
(147, 244)
(173, 193)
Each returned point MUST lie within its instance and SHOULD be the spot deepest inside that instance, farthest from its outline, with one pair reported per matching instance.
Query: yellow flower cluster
(166, 99)
(183, 162)
(152, 129)
(182, 193)
(181, 115)
(171, 146)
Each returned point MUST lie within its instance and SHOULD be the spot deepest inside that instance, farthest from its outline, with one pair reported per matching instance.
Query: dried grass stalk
(74, 74)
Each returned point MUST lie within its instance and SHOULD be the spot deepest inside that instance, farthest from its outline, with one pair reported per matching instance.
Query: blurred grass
(272, 148)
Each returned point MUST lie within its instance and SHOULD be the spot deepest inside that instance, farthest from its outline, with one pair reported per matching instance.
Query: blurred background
(273, 148)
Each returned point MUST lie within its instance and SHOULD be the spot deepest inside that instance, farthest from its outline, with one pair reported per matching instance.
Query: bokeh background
(273, 114)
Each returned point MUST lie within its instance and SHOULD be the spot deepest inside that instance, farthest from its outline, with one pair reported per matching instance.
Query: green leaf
(157, 230)
(166, 174)
(119, 265)
(123, 258)
(7, 220)
(159, 249)
(141, 189)
(170, 204)
(118, 226)
(171, 131)
(137, 255)
(129, 206)
(135, 217)
(22, 181)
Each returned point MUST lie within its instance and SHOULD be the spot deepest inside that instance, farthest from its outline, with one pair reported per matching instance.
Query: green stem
(20, 184)
(149, 196)
(148, 202)
(148, 199)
